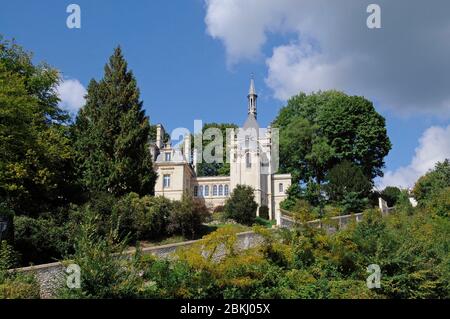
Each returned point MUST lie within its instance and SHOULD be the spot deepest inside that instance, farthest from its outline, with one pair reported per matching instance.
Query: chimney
(194, 161)
(160, 136)
(187, 147)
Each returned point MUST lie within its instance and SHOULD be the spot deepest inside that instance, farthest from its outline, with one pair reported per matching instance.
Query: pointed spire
(252, 90)
(252, 96)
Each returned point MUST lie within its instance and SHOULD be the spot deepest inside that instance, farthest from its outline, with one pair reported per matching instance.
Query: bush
(241, 205)
(264, 212)
(14, 285)
(218, 209)
(187, 216)
(7, 222)
(142, 218)
(439, 204)
(352, 203)
(106, 271)
(39, 240)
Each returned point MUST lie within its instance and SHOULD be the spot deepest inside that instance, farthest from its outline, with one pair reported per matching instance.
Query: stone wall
(50, 275)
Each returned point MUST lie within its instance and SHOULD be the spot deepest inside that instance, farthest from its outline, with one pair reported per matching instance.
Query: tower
(244, 152)
(252, 96)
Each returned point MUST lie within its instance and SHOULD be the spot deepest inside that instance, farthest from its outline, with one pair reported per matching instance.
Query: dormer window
(167, 156)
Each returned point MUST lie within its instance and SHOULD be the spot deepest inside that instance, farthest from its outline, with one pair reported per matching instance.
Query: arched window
(280, 187)
(248, 160)
(215, 190)
(200, 191)
(220, 190)
(225, 190)
(195, 191)
(206, 190)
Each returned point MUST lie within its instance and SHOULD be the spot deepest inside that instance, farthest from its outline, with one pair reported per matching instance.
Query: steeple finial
(252, 96)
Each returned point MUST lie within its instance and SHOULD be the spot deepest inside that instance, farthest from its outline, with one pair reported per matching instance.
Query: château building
(252, 157)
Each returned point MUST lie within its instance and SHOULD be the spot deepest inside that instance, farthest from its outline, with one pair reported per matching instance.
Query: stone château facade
(252, 162)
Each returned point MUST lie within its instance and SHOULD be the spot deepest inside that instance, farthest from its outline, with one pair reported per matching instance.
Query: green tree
(215, 168)
(391, 195)
(112, 134)
(346, 178)
(187, 216)
(345, 127)
(36, 157)
(432, 182)
(241, 205)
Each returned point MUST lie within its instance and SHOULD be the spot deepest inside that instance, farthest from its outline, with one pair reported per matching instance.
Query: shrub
(218, 209)
(39, 240)
(106, 271)
(264, 212)
(142, 217)
(187, 216)
(14, 285)
(241, 205)
(440, 203)
(352, 203)
(7, 222)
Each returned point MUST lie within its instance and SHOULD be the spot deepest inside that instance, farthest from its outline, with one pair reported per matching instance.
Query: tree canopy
(112, 134)
(319, 130)
(36, 166)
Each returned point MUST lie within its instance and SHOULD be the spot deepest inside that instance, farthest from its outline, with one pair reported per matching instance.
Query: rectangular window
(166, 181)
(206, 190)
(280, 187)
(195, 191)
(167, 157)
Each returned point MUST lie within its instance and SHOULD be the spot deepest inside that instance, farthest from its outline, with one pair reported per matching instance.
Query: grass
(265, 222)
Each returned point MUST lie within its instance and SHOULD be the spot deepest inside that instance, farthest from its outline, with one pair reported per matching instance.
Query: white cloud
(434, 146)
(404, 65)
(71, 92)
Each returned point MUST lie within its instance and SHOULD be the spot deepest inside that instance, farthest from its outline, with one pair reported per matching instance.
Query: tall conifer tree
(112, 134)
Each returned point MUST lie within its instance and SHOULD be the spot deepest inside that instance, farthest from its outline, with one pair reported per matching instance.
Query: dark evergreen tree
(112, 134)
(241, 205)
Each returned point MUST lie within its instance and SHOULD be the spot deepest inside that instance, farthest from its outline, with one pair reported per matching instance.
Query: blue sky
(191, 68)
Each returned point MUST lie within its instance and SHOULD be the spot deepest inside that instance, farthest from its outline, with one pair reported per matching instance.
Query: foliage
(432, 182)
(241, 205)
(36, 157)
(330, 127)
(264, 212)
(439, 203)
(112, 134)
(391, 195)
(345, 178)
(142, 218)
(216, 168)
(7, 219)
(352, 203)
(105, 272)
(40, 240)
(187, 216)
(14, 285)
